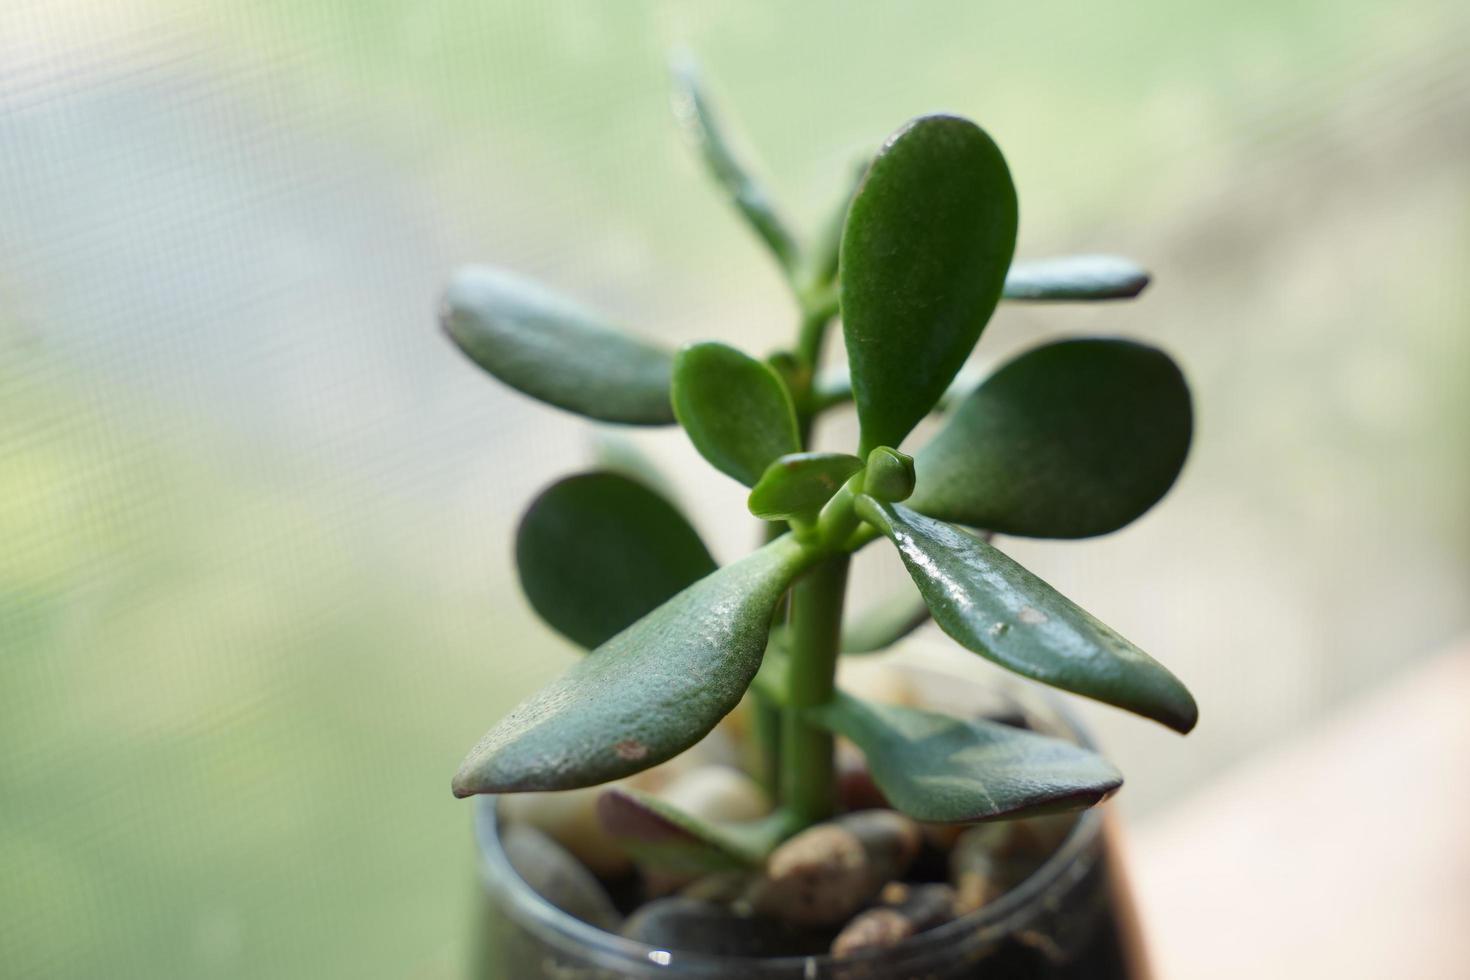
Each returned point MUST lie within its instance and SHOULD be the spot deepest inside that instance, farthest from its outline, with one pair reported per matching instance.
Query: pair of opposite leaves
(915, 297)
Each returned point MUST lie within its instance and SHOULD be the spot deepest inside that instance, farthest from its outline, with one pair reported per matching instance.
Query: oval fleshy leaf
(546, 346)
(885, 623)
(1075, 277)
(798, 484)
(943, 770)
(928, 240)
(1069, 440)
(736, 410)
(598, 551)
(661, 835)
(998, 609)
(647, 694)
(697, 119)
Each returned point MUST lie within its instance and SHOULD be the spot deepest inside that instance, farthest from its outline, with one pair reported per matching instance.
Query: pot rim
(996, 919)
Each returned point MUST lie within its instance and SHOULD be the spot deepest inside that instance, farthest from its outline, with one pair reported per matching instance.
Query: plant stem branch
(808, 781)
(814, 322)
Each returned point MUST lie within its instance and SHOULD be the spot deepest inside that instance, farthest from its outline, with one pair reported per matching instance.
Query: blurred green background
(255, 584)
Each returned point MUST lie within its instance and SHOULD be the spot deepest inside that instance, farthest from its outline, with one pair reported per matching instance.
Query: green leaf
(928, 240)
(1068, 440)
(548, 347)
(597, 551)
(661, 835)
(1075, 277)
(885, 623)
(698, 120)
(647, 694)
(998, 609)
(736, 410)
(889, 475)
(943, 770)
(798, 484)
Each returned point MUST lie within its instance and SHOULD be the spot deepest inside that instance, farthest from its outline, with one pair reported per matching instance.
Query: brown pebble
(721, 793)
(923, 908)
(826, 873)
(874, 929)
(894, 893)
(818, 877)
(890, 840)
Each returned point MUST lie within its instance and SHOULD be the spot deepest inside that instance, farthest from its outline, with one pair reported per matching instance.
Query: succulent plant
(1071, 439)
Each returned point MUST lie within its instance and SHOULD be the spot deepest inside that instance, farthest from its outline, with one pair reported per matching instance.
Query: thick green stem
(808, 781)
(767, 719)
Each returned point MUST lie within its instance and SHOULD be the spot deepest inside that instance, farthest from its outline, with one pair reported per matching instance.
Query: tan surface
(1346, 854)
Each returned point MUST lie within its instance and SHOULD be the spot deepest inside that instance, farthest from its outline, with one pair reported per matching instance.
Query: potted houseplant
(932, 831)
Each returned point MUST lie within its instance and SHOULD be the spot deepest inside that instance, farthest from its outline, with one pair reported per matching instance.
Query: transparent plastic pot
(1070, 919)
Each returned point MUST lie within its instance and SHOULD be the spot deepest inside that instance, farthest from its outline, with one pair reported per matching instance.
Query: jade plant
(1071, 439)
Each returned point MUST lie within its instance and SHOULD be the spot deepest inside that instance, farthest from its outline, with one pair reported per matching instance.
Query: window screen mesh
(255, 584)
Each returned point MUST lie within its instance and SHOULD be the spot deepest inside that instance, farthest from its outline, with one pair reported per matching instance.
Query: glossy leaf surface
(798, 484)
(884, 623)
(928, 240)
(697, 118)
(1068, 440)
(943, 770)
(736, 410)
(889, 475)
(661, 835)
(597, 551)
(1003, 612)
(1075, 277)
(647, 694)
(548, 347)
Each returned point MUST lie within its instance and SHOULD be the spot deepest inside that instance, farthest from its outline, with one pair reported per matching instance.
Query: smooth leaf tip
(928, 239)
(1083, 278)
(1186, 716)
(454, 299)
(941, 769)
(467, 781)
(1171, 704)
(933, 119)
